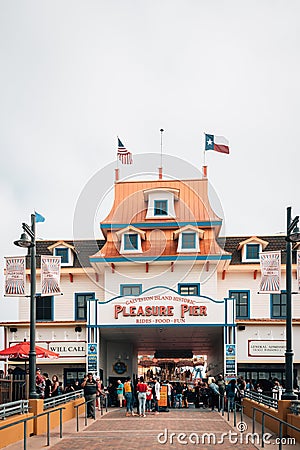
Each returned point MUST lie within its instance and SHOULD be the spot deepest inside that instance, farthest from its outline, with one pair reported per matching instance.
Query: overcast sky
(74, 74)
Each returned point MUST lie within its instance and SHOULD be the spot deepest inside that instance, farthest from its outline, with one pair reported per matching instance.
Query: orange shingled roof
(130, 205)
(160, 243)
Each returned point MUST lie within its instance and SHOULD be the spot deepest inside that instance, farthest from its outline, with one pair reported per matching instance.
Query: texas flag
(216, 143)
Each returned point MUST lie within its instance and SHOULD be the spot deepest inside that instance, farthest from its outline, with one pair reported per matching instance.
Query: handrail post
(48, 429)
(234, 414)
(60, 424)
(25, 435)
(262, 430)
(77, 419)
(280, 436)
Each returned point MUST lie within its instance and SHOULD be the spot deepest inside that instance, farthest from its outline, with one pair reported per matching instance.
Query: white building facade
(162, 282)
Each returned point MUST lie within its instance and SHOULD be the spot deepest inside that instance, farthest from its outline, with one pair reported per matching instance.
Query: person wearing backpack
(128, 393)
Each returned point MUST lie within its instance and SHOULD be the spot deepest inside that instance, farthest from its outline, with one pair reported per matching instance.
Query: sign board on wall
(160, 310)
(92, 365)
(266, 348)
(65, 348)
(230, 360)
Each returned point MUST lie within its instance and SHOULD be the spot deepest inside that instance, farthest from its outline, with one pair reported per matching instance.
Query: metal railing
(280, 439)
(85, 412)
(24, 421)
(231, 407)
(12, 408)
(261, 398)
(52, 402)
(102, 399)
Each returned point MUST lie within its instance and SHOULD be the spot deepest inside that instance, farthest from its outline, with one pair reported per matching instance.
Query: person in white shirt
(156, 394)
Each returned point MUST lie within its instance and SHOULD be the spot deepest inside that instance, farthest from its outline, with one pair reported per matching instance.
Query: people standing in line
(99, 393)
(40, 383)
(197, 395)
(55, 386)
(148, 398)
(110, 395)
(69, 388)
(141, 388)
(222, 388)
(129, 391)
(120, 393)
(249, 385)
(231, 394)
(77, 386)
(90, 389)
(204, 395)
(169, 387)
(185, 391)
(178, 389)
(156, 394)
(214, 395)
(47, 392)
(241, 383)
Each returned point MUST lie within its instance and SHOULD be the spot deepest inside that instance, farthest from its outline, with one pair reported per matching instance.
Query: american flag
(123, 154)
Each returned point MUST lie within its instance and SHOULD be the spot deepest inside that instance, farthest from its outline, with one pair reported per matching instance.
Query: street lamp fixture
(27, 240)
(292, 235)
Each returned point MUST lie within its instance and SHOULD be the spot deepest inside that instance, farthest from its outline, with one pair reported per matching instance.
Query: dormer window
(131, 239)
(188, 239)
(160, 207)
(161, 203)
(251, 249)
(65, 251)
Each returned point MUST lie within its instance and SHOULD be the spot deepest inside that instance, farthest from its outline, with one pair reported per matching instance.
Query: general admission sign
(162, 309)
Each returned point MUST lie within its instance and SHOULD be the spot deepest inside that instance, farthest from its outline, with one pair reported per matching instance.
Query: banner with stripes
(15, 276)
(270, 266)
(298, 269)
(50, 275)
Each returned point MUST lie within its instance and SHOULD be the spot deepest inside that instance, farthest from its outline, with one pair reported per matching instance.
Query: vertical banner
(230, 362)
(92, 356)
(15, 276)
(298, 269)
(50, 275)
(270, 266)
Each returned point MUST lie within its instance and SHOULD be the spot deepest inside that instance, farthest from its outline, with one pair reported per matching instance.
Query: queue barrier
(25, 420)
(103, 404)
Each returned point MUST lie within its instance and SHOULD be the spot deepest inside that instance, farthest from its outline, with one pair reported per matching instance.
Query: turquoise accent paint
(144, 325)
(163, 258)
(212, 223)
(122, 286)
(163, 287)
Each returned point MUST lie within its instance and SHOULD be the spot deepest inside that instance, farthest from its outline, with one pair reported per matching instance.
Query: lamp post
(27, 240)
(292, 235)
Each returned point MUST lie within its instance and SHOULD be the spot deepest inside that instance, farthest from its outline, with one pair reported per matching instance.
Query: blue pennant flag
(39, 217)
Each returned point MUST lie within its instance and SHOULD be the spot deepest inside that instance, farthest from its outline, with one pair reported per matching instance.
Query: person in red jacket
(141, 388)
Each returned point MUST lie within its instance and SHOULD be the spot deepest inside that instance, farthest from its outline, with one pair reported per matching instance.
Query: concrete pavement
(184, 428)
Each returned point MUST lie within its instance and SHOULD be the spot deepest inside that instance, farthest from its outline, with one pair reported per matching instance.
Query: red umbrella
(21, 351)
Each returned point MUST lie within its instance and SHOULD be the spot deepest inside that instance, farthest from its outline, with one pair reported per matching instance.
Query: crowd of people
(46, 387)
(144, 395)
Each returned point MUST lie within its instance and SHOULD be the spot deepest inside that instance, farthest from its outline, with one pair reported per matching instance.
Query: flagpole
(161, 154)
(204, 159)
(117, 168)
